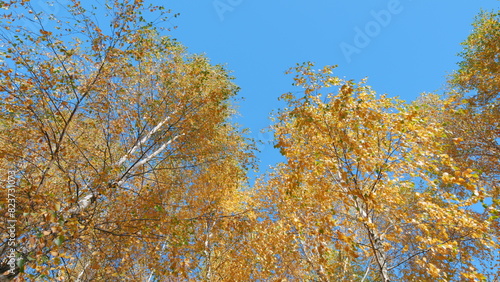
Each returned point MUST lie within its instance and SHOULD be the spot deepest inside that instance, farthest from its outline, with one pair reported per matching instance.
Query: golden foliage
(360, 195)
(119, 150)
(126, 162)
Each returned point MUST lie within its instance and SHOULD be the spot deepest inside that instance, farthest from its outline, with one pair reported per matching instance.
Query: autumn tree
(472, 115)
(126, 163)
(363, 195)
(473, 119)
(479, 69)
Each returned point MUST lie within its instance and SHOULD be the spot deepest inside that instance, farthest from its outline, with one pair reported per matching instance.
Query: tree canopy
(120, 161)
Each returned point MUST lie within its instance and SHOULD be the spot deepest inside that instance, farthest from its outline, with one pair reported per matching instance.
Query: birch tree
(125, 158)
(473, 117)
(367, 193)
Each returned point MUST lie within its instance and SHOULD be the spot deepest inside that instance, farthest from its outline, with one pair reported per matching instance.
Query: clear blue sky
(406, 47)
